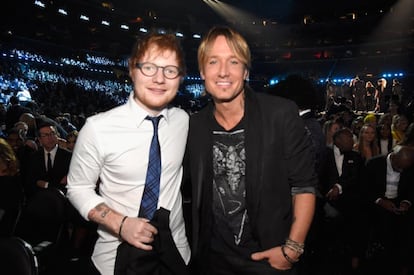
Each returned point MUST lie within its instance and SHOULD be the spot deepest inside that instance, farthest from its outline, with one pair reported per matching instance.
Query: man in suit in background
(390, 194)
(47, 210)
(49, 166)
(341, 186)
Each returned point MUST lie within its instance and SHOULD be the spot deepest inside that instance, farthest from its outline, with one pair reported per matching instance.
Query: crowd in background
(379, 116)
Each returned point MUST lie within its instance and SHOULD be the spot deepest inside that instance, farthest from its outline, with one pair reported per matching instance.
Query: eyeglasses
(51, 134)
(150, 69)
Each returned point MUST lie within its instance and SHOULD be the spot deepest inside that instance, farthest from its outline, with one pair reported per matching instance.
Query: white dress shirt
(393, 178)
(52, 155)
(339, 161)
(114, 147)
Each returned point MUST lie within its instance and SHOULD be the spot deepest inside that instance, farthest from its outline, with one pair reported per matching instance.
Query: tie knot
(155, 120)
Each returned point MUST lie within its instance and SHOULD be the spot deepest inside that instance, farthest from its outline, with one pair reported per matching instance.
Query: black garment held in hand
(163, 259)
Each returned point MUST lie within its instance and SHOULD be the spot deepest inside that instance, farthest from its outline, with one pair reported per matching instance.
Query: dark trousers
(220, 264)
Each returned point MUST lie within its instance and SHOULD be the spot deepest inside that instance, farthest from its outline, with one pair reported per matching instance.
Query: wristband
(120, 226)
(289, 259)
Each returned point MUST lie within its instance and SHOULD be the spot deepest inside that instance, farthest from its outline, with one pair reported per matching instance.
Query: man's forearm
(303, 211)
(104, 215)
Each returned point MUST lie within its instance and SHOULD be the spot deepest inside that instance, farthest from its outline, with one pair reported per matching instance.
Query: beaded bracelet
(299, 248)
(120, 226)
(289, 259)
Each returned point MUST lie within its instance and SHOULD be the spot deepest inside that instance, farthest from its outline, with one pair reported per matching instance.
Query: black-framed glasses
(150, 69)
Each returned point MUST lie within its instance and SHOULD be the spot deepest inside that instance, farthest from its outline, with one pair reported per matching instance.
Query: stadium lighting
(39, 4)
(84, 17)
(62, 11)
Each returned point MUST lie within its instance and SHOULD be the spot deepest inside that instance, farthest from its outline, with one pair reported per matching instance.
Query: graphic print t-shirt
(231, 229)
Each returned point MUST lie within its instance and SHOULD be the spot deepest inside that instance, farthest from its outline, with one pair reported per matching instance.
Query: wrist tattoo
(105, 212)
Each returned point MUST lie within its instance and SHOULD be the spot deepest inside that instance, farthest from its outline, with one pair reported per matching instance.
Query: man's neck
(229, 114)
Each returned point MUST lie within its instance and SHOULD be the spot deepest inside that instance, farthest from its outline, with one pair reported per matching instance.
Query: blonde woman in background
(367, 144)
(398, 127)
(380, 105)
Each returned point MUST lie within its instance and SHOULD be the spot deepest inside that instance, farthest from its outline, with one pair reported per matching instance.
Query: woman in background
(367, 144)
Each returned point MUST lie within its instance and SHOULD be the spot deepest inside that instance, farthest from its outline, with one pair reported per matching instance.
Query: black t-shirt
(231, 227)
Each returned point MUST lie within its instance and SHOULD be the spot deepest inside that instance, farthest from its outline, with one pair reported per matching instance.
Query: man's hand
(333, 194)
(138, 232)
(42, 184)
(275, 258)
(388, 205)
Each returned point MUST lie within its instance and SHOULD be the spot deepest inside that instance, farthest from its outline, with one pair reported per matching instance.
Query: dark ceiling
(275, 29)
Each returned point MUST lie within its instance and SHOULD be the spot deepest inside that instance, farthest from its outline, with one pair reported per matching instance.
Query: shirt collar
(140, 113)
(52, 152)
(337, 152)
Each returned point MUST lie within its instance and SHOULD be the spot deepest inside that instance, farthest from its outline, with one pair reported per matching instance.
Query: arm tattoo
(101, 209)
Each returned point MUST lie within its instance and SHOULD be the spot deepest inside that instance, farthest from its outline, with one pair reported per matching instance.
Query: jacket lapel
(254, 147)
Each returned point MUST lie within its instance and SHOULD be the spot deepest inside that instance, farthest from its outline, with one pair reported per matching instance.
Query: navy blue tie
(152, 182)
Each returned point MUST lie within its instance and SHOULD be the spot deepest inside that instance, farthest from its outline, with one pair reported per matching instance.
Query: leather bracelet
(120, 226)
(289, 259)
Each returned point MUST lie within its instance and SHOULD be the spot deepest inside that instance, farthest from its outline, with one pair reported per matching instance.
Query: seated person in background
(389, 193)
(21, 125)
(50, 164)
(23, 152)
(329, 128)
(385, 140)
(341, 186)
(409, 136)
(398, 127)
(69, 143)
(11, 195)
(367, 144)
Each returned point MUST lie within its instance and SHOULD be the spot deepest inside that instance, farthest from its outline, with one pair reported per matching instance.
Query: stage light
(196, 36)
(84, 17)
(179, 34)
(104, 22)
(39, 4)
(144, 30)
(124, 27)
(62, 11)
